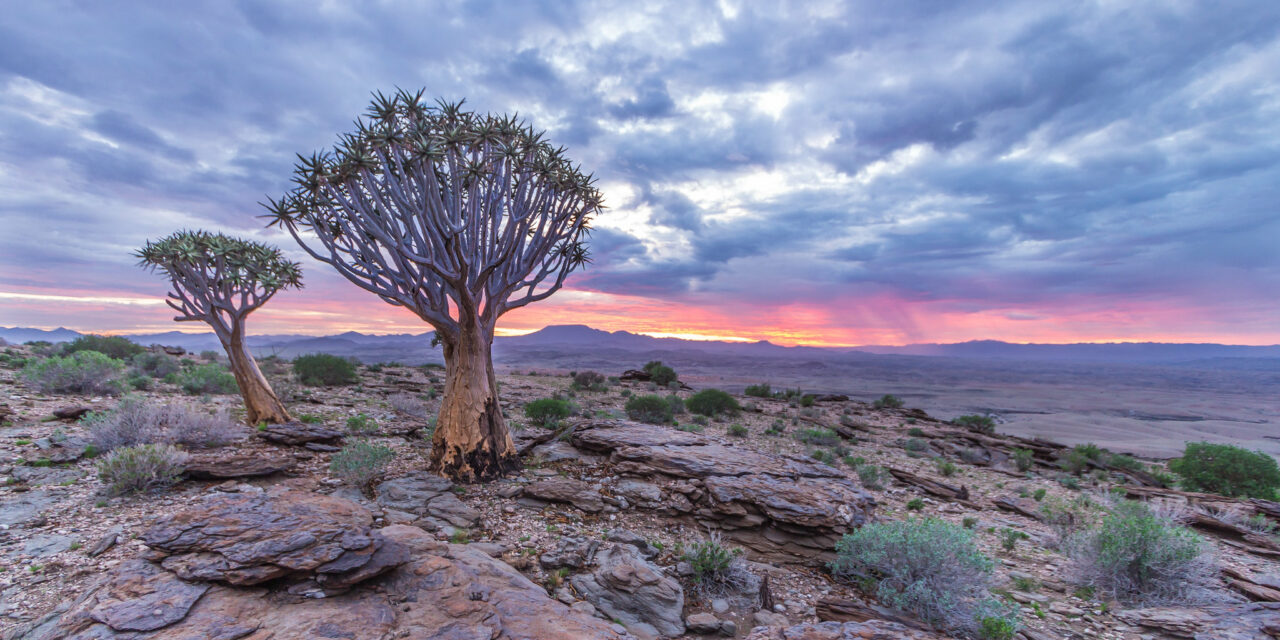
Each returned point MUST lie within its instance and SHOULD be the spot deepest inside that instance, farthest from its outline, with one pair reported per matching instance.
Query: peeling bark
(471, 441)
(260, 402)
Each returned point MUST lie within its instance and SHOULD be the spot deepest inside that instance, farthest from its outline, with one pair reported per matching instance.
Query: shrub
(588, 380)
(947, 468)
(361, 423)
(872, 477)
(1009, 538)
(547, 412)
(762, 390)
(155, 365)
(112, 346)
(821, 455)
(1039, 495)
(1122, 461)
(136, 421)
(737, 431)
(1140, 557)
(324, 370)
(888, 401)
(204, 378)
(209, 355)
(915, 504)
(1227, 470)
(806, 401)
(818, 436)
(361, 463)
(1022, 459)
(915, 432)
(926, 567)
(974, 422)
(408, 405)
(89, 372)
(676, 404)
(712, 402)
(660, 374)
(650, 409)
(141, 468)
(718, 570)
(915, 445)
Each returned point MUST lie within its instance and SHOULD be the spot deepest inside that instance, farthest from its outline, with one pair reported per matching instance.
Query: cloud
(907, 171)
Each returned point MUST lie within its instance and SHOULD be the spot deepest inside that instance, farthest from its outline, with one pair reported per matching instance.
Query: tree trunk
(260, 402)
(471, 441)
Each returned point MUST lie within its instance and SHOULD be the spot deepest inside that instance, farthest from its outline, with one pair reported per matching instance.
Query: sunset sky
(843, 173)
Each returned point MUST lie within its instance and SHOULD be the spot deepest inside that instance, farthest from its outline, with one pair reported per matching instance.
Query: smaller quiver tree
(220, 280)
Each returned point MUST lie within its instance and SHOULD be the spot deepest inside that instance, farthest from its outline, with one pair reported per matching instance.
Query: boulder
(216, 467)
(247, 539)
(627, 588)
(71, 414)
(568, 490)
(445, 591)
(299, 433)
(783, 507)
(427, 496)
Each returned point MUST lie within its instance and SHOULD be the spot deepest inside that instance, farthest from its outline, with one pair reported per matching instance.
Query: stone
(19, 509)
(572, 553)
(634, 539)
(784, 508)
(299, 433)
(557, 451)
(1249, 621)
(60, 450)
(215, 467)
(448, 508)
(46, 476)
(247, 539)
(702, 623)
(868, 630)
(72, 413)
(42, 545)
(627, 588)
(142, 597)
(104, 543)
(1065, 609)
(430, 496)
(568, 490)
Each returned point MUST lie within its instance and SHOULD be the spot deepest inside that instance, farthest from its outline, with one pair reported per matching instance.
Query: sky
(829, 173)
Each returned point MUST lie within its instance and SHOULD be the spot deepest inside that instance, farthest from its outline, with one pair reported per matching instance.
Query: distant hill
(416, 348)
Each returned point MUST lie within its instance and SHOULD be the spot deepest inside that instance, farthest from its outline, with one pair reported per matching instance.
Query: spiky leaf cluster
(442, 210)
(217, 278)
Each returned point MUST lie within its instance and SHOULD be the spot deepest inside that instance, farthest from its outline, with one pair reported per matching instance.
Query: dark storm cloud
(985, 153)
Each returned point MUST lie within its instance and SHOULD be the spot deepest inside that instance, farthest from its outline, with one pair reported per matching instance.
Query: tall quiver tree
(220, 280)
(458, 217)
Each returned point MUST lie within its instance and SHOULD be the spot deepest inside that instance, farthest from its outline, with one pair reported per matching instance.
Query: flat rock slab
(247, 539)
(446, 592)
(42, 545)
(868, 630)
(427, 496)
(299, 433)
(784, 507)
(627, 588)
(16, 510)
(215, 467)
(1252, 621)
(46, 476)
(567, 490)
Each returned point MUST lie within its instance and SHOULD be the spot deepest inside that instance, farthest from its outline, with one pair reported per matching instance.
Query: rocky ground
(262, 541)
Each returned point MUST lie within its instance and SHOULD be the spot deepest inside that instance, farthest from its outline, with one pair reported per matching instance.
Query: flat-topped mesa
(782, 507)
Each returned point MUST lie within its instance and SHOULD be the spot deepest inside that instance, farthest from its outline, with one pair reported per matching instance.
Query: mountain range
(417, 349)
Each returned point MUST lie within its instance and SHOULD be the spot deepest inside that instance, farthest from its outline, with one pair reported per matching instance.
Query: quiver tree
(220, 280)
(459, 217)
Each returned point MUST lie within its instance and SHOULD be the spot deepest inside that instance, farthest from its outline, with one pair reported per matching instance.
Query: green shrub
(915, 504)
(712, 402)
(888, 401)
(310, 418)
(1227, 470)
(1023, 459)
(588, 380)
(947, 468)
(915, 432)
(737, 431)
(361, 463)
(88, 372)
(361, 423)
(112, 346)
(1143, 558)
(822, 455)
(155, 365)
(978, 423)
(204, 378)
(928, 568)
(872, 477)
(806, 401)
(547, 412)
(1122, 461)
(141, 467)
(1009, 538)
(915, 445)
(676, 404)
(718, 570)
(762, 390)
(818, 436)
(660, 374)
(324, 370)
(1039, 495)
(651, 409)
